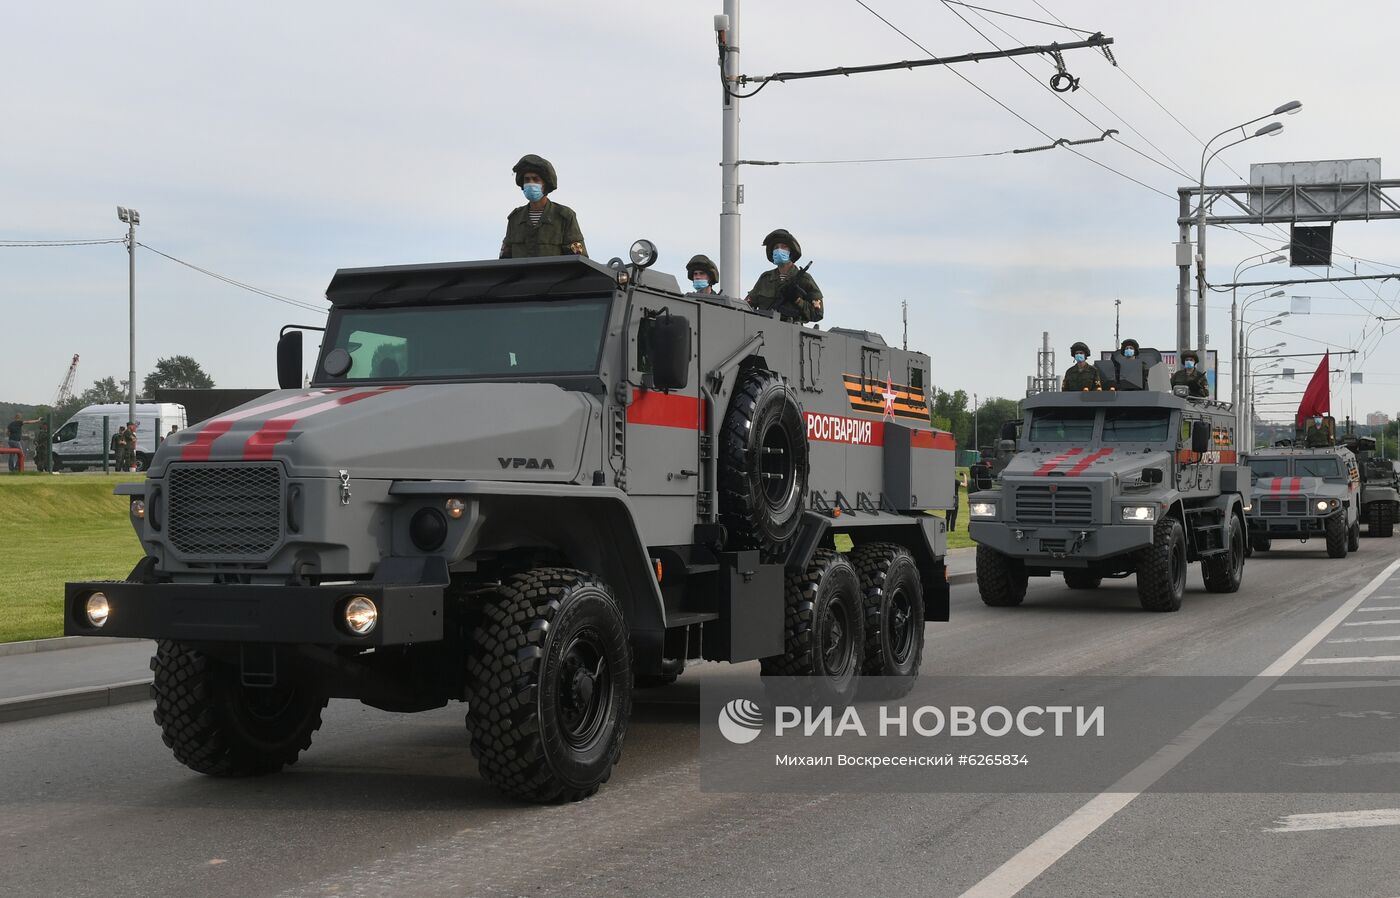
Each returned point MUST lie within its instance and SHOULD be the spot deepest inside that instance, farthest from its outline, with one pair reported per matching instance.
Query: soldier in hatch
(1082, 375)
(1190, 375)
(1318, 436)
(785, 287)
(541, 227)
(703, 275)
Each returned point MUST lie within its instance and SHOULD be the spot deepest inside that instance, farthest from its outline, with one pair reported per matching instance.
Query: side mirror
(289, 360)
(668, 348)
(1200, 437)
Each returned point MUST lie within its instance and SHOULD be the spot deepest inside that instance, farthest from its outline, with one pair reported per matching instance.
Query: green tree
(952, 409)
(177, 372)
(991, 416)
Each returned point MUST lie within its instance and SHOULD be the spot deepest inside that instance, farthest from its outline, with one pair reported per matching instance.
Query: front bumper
(1285, 526)
(1039, 544)
(218, 612)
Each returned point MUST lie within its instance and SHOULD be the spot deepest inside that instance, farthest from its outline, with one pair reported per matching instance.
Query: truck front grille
(1291, 507)
(225, 512)
(1054, 504)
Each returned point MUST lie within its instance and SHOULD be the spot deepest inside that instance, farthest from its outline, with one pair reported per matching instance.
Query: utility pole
(904, 309)
(731, 191)
(1117, 319)
(132, 219)
(975, 443)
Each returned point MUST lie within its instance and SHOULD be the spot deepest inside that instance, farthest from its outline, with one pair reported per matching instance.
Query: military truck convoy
(528, 485)
(1134, 479)
(1380, 487)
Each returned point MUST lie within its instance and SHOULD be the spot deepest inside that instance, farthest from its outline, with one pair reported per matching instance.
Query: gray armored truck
(1302, 494)
(1134, 479)
(1380, 487)
(529, 485)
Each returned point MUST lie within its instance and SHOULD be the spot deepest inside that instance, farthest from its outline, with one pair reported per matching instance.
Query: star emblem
(890, 396)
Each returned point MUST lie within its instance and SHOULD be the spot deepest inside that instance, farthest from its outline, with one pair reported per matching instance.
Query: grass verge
(55, 529)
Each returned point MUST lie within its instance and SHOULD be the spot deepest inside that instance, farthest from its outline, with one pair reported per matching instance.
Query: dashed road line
(1364, 639)
(1298, 823)
(1373, 659)
(1371, 623)
(1028, 863)
(1335, 684)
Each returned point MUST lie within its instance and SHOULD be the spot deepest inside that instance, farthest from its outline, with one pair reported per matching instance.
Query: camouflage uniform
(118, 447)
(1318, 437)
(42, 460)
(557, 234)
(1082, 377)
(795, 293)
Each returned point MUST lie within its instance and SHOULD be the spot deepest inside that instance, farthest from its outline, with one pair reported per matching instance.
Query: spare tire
(763, 465)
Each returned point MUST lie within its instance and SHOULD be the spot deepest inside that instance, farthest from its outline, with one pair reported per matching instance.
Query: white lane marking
(1379, 608)
(1028, 863)
(1337, 684)
(1379, 757)
(1371, 623)
(1299, 823)
(1364, 639)
(1374, 659)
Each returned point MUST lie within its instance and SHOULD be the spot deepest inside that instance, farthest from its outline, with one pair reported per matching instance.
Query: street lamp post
(132, 219)
(1238, 335)
(1268, 130)
(1235, 397)
(1248, 426)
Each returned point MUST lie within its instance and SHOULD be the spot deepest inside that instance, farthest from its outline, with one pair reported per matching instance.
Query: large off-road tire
(1260, 543)
(1083, 579)
(549, 685)
(763, 465)
(217, 726)
(1161, 568)
(1224, 572)
(1387, 523)
(1338, 535)
(1378, 521)
(894, 613)
(1354, 536)
(823, 629)
(1001, 581)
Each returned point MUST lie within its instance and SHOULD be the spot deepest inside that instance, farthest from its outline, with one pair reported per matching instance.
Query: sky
(275, 143)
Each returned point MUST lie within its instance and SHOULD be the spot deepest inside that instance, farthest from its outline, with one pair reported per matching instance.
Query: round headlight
(455, 508)
(97, 609)
(138, 509)
(427, 529)
(643, 253)
(361, 615)
(1321, 504)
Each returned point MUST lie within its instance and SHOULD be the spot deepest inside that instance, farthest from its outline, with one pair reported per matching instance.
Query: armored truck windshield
(1059, 425)
(1302, 466)
(1136, 425)
(469, 341)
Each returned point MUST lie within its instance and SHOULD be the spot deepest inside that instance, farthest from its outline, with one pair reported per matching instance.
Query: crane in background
(65, 390)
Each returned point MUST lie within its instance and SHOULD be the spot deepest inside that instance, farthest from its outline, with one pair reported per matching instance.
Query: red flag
(1316, 399)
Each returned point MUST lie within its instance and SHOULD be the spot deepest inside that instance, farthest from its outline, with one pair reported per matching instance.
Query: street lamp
(1239, 332)
(132, 219)
(1248, 383)
(1268, 130)
(1235, 320)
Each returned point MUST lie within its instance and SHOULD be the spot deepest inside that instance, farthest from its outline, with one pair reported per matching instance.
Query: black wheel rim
(900, 626)
(835, 639)
(585, 691)
(776, 465)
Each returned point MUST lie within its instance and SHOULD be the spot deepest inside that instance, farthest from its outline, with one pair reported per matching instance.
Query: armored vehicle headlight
(361, 615)
(455, 508)
(97, 609)
(427, 529)
(983, 509)
(1327, 504)
(138, 509)
(643, 253)
(1144, 513)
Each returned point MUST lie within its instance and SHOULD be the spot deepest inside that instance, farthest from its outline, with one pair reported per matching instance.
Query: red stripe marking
(265, 439)
(200, 447)
(665, 410)
(1055, 462)
(1276, 485)
(1088, 460)
(1296, 486)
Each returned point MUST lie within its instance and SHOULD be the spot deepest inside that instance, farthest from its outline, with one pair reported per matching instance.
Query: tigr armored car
(526, 485)
(1110, 483)
(1302, 494)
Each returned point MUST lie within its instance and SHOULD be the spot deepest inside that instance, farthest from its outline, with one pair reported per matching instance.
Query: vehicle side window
(66, 432)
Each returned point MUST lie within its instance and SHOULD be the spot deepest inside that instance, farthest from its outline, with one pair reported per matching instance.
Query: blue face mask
(1079, 356)
(1129, 352)
(699, 284)
(781, 257)
(533, 192)
(1190, 364)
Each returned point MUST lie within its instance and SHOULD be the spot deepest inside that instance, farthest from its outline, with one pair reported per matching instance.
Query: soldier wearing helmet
(785, 287)
(541, 227)
(1082, 375)
(1190, 374)
(703, 275)
(1130, 348)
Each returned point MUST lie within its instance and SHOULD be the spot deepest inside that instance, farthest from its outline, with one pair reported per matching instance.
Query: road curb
(82, 699)
(962, 579)
(31, 646)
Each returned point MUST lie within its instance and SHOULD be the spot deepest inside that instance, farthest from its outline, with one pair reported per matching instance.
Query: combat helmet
(1190, 354)
(1081, 346)
(540, 166)
(781, 235)
(1129, 342)
(700, 262)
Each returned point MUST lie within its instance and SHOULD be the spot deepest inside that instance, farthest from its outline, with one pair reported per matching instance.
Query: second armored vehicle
(1304, 494)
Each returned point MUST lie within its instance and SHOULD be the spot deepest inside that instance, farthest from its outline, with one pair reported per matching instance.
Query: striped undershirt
(535, 217)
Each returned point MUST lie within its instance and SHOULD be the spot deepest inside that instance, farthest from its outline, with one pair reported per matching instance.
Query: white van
(78, 445)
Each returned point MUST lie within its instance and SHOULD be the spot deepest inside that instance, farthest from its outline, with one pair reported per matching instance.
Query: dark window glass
(1316, 467)
(1136, 425)
(1055, 425)
(1268, 467)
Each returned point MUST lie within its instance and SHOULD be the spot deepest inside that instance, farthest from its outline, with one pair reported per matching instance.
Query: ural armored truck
(1133, 479)
(1380, 487)
(529, 485)
(1302, 493)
